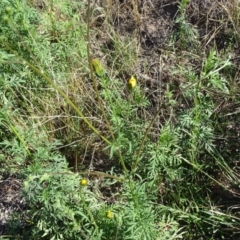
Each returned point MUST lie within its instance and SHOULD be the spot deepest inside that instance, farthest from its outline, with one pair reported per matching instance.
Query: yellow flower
(109, 214)
(97, 67)
(84, 182)
(132, 82)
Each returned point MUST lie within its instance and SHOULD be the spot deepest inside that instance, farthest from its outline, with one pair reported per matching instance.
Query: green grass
(153, 171)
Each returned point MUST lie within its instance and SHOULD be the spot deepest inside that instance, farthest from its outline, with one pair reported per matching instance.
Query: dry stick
(206, 174)
(144, 138)
(93, 173)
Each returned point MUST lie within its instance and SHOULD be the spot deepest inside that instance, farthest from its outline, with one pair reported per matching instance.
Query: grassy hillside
(87, 154)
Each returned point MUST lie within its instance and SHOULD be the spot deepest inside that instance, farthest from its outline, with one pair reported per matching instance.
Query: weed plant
(51, 99)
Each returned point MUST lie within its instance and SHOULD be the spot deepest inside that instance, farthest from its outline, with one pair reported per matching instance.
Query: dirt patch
(156, 26)
(10, 199)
